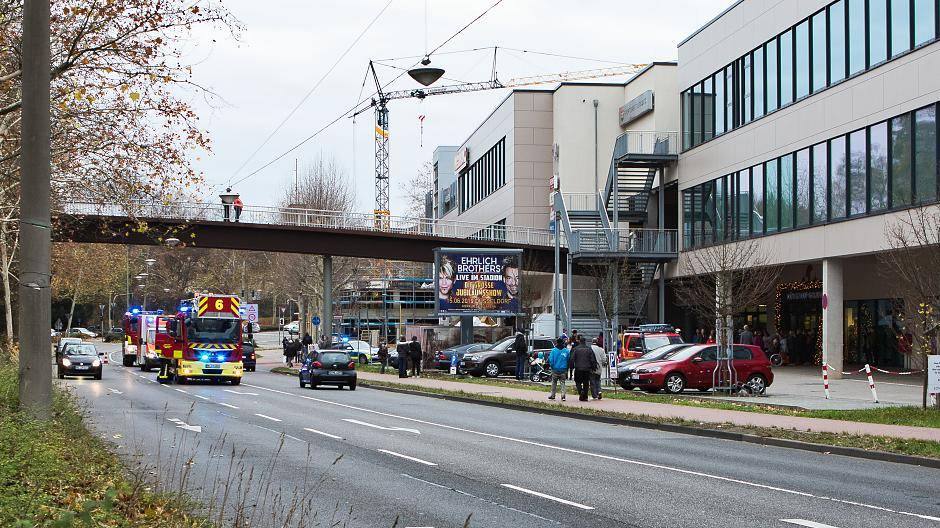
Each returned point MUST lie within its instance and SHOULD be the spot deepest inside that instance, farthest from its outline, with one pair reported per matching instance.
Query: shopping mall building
(808, 126)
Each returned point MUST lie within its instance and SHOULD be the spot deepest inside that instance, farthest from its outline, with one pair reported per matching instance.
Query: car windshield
(655, 342)
(333, 357)
(502, 345)
(664, 351)
(685, 353)
(81, 350)
(209, 330)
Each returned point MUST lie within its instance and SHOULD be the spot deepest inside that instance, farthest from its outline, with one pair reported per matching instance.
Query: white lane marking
(115, 391)
(375, 426)
(180, 424)
(280, 433)
(201, 397)
(230, 406)
(808, 524)
(606, 457)
(322, 433)
(549, 497)
(413, 459)
(273, 419)
(180, 390)
(241, 393)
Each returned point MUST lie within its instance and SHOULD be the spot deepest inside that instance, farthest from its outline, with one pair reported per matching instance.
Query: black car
(500, 358)
(249, 361)
(79, 359)
(442, 359)
(626, 368)
(114, 334)
(329, 367)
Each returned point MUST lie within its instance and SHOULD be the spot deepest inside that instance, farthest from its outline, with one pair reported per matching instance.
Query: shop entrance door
(801, 319)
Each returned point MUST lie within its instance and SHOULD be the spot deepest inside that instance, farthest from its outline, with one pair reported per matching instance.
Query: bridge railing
(341, 220)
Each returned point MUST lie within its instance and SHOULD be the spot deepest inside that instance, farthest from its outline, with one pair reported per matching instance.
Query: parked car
(79, 359)
(78, 331)
(500, 358)
(693, 367)
(249, 360)
(114, 334)
(292, 328)
(625, 368)
(442, 358)
(363, 351)
(54, 333)
(330, 367)
(639, 342)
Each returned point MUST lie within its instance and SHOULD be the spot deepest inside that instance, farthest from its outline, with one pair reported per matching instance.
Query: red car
(693, 367)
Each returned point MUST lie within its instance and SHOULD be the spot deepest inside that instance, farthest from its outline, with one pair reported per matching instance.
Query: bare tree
(417, 189)
(719, 281)
(912, 264)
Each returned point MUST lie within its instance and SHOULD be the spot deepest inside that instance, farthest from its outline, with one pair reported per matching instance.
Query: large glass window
(745, 84)
(786, 68)
(858, 154)
(697, 114)
(708, 212)
(820, 66)
(802, 59)
(925, 154)
(770, 53)
(687, 119)
(901, 161)
(878, 167)
(758, 64)
(757, 200)
(820, 183)
(837, 48)
(719, 103)
(772, 216)
(925, 27)
(786, 191)
(877, 31)
(721, 208)
(856, 17)
(708, 109)
(697, 215)
(900, 26)
(687, 218)
(839, 182)
(743, 213)
(802, 187)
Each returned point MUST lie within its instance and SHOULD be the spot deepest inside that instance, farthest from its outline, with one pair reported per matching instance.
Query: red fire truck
(202, 340)
(140, 331)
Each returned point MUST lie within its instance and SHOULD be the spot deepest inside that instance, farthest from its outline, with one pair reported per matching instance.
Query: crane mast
(380, 103)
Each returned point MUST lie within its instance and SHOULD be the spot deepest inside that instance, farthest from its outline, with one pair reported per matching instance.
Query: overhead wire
(559, 55)
(311, 91)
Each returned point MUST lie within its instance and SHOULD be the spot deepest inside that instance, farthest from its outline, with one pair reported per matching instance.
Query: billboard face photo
(478, 282)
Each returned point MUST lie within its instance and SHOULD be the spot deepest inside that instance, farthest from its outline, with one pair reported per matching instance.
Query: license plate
(634, 376)
(81, 367)
(211, 366)
(336, 373)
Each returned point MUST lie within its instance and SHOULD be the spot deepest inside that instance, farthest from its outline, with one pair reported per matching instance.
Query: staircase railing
(631, 241)
(579, 201)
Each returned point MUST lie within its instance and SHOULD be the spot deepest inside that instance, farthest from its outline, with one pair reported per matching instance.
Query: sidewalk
(663, 410)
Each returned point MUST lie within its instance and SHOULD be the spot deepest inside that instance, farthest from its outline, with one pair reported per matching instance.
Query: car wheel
(313, 386)
(181, 380)
(352, 386)
(236, 381)
(128, 361)
(758, 383)
(491, 369)
(674, 383)
(98, 376)
(302, 384)
(625, 383)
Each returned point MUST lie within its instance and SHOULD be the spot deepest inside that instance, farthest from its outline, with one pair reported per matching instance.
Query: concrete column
(833, 317)
(328, 296)
(466, 329)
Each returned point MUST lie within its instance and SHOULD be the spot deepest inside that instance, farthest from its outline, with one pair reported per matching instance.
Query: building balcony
(646, 146)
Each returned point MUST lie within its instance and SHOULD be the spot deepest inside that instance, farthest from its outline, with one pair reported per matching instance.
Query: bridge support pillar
(328, 296)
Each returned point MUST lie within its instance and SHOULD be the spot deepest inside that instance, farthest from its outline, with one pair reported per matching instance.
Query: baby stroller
(538, 372)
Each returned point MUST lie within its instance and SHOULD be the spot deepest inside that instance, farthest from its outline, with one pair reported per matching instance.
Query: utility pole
(35, 230)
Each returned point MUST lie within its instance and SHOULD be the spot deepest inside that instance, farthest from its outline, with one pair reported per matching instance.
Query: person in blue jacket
(558, 361)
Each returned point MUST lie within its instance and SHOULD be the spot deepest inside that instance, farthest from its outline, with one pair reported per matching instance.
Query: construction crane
(380, 104)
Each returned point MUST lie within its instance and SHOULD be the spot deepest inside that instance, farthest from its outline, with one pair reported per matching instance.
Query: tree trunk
(5, 271)
(78, 285)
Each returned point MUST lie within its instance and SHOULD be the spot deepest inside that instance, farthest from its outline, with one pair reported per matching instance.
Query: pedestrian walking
(237, 204)
(292, 351)
(584, 363)
(601, 358)
(307, 341)
(383, 356)
(747, 337)
(414, 351)
(403, 352)
(284, 345)
(558, 362)
(522, 355)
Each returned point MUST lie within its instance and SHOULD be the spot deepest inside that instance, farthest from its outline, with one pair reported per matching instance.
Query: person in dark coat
(292, 349)
(414, 349)
(522, 355)
(584, 362)
(383, 356)
(307, 341)
(403, 349)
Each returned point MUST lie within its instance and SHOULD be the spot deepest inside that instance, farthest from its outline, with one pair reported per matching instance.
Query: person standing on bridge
(238, 204)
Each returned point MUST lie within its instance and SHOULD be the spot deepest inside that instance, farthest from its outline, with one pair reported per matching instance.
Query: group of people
(796, 347)
(408, 352)
(301, 349)
(574, 358)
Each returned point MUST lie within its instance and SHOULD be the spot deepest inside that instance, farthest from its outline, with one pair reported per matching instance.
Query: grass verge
(57, 473)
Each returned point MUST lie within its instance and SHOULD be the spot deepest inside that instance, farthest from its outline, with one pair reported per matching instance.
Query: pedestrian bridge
(313, 231)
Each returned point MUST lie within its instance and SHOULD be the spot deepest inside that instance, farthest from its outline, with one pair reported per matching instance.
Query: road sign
(933, 374)
(251, 312)
(281, 321)
(315, 320)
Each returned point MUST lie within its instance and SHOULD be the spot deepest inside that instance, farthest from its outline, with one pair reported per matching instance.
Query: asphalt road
(278, 455)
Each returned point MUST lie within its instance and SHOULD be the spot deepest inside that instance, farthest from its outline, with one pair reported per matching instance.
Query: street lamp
(426, 75)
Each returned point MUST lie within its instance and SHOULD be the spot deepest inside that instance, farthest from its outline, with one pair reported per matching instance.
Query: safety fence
(867, 369)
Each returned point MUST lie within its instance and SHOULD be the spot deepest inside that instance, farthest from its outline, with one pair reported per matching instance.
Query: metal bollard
(825, 372)
(871, 383)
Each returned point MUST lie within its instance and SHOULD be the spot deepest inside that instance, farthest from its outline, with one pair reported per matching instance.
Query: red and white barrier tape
(908, 373)
(871, 383)
(866, 369)
(826, 379)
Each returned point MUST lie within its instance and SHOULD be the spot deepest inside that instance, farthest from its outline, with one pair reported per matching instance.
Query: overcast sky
(287, 45)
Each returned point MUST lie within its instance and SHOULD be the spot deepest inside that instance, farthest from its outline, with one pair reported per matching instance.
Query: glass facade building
(843, 39)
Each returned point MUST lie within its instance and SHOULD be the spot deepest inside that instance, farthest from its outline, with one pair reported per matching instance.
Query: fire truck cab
(201, 341)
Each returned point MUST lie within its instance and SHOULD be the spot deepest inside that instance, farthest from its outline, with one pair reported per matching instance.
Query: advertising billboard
(478, 282)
